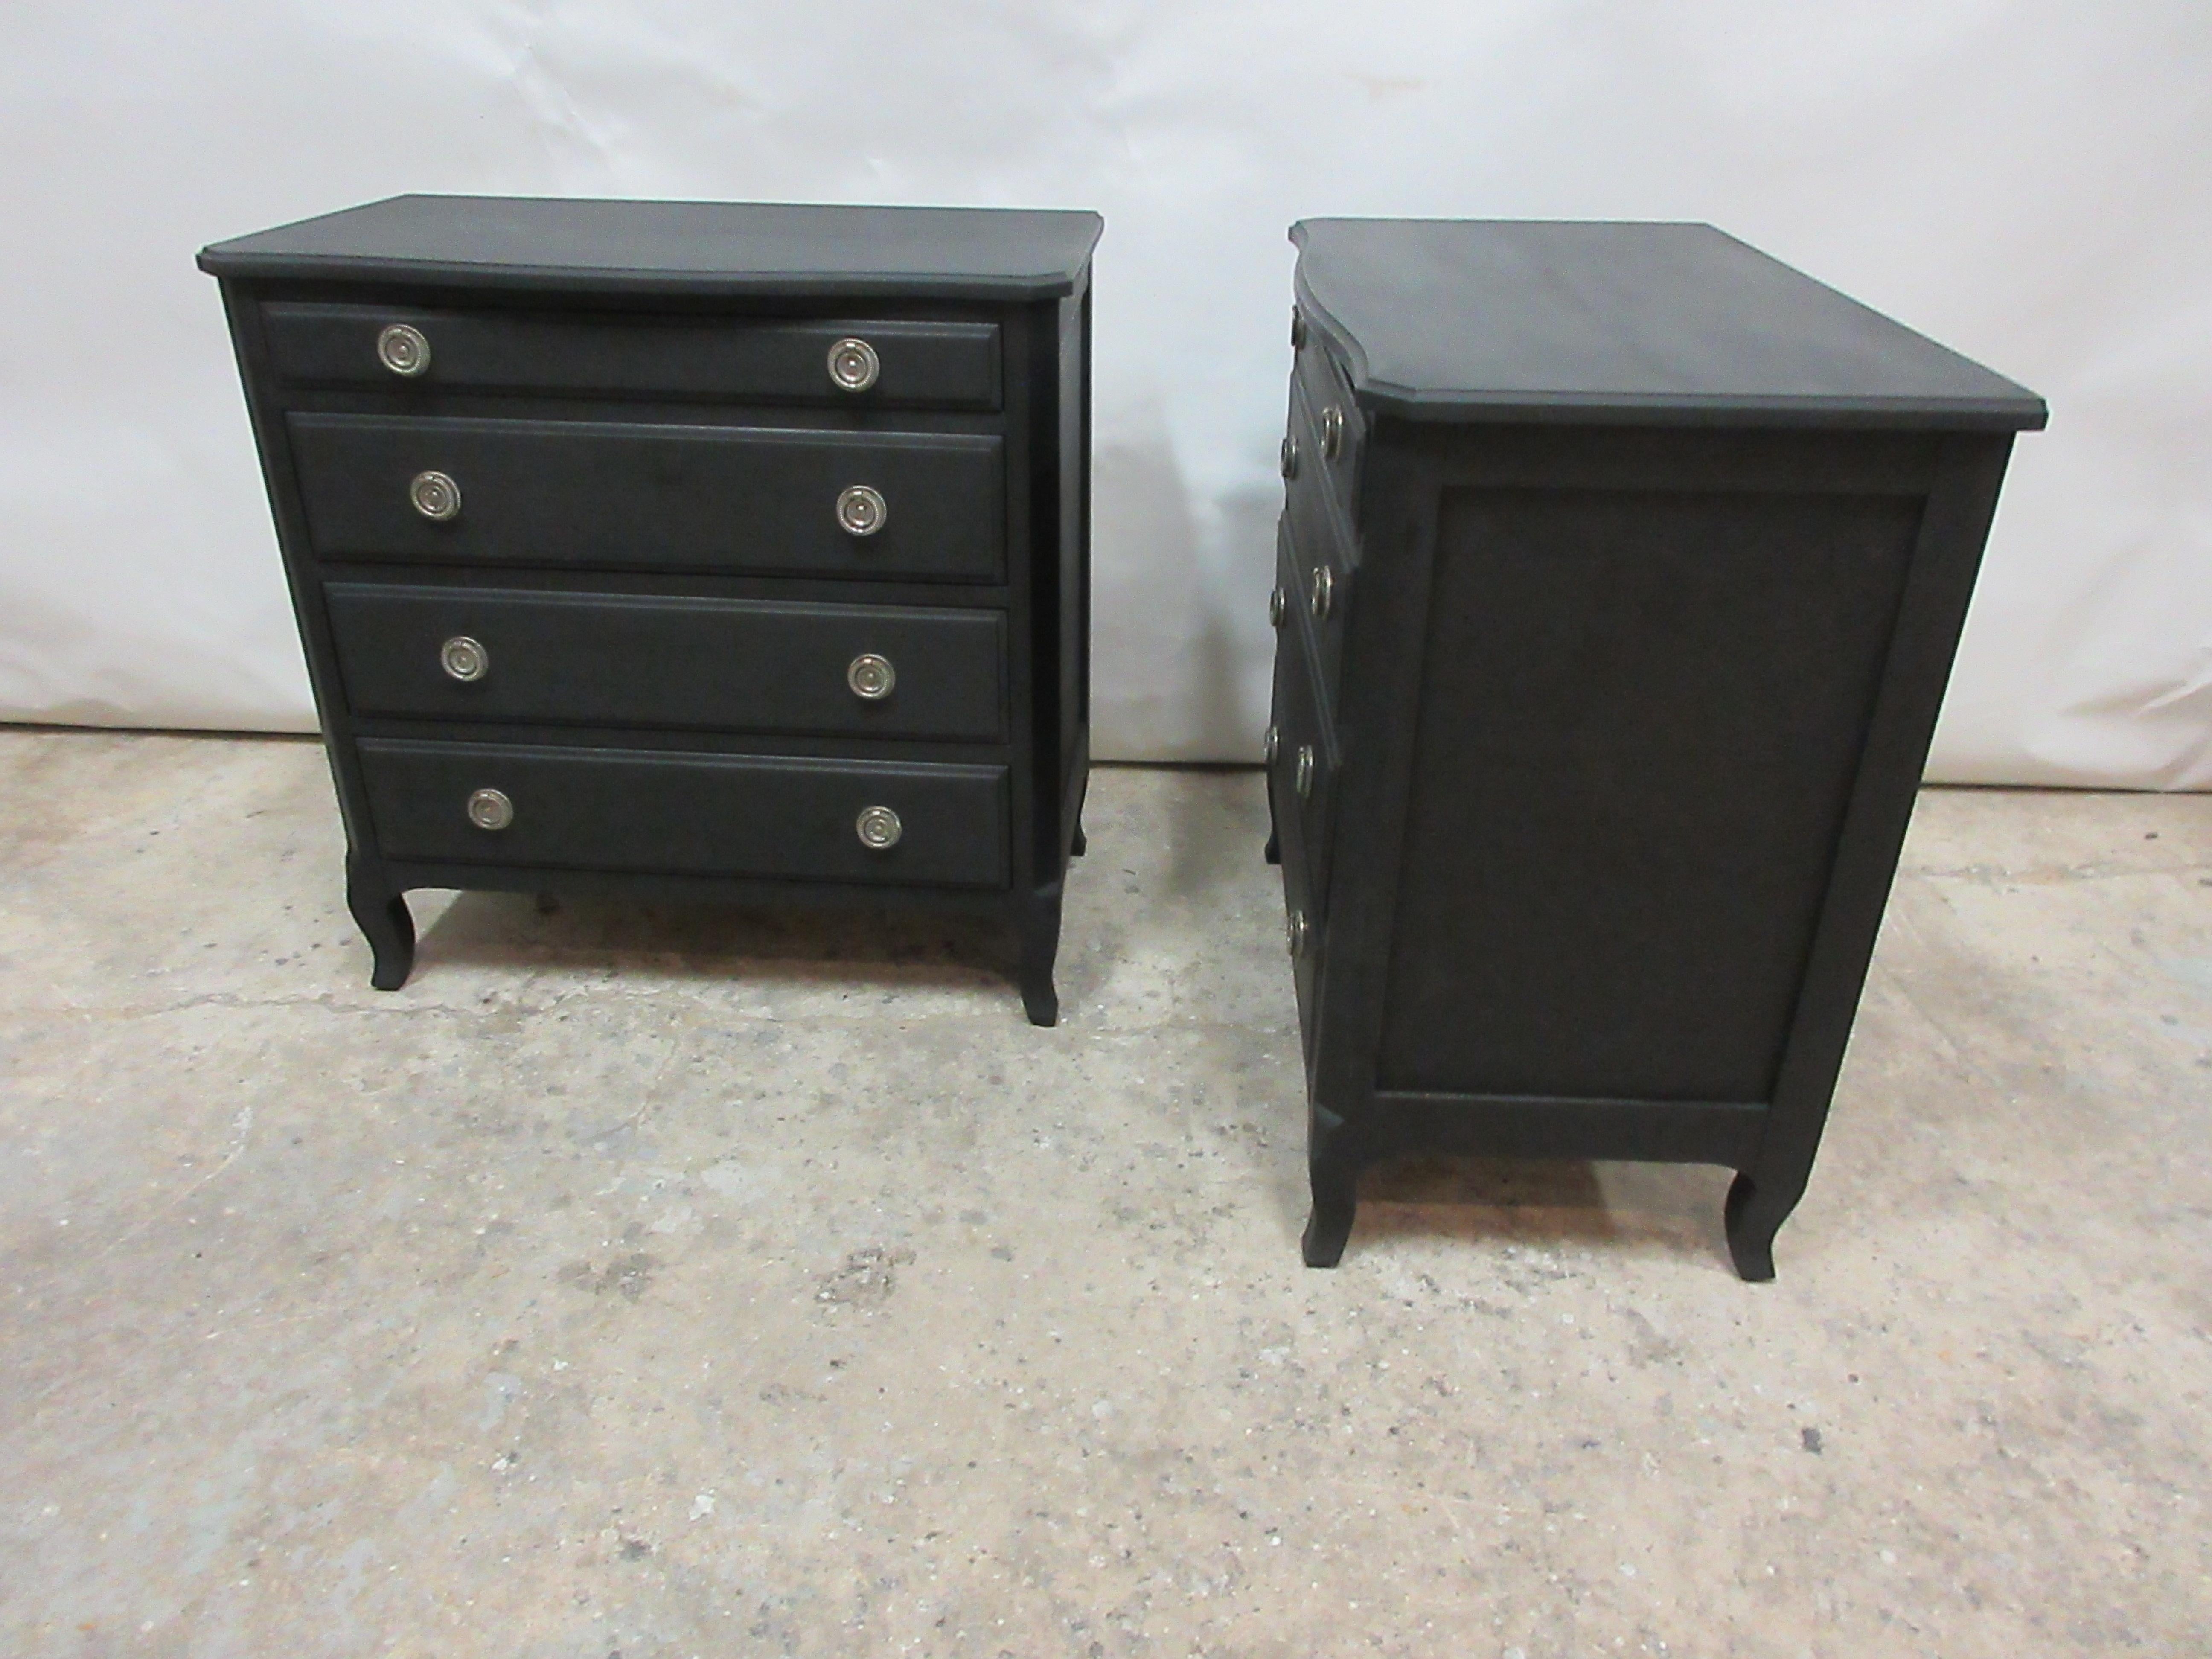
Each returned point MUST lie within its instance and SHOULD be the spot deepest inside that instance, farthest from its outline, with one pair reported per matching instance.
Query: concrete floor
(665, 1284)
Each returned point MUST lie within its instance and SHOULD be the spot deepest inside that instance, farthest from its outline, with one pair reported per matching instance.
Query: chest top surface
(701, 248)
(1529, 320)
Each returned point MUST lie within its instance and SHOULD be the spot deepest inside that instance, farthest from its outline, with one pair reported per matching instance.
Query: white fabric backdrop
(2025, 179)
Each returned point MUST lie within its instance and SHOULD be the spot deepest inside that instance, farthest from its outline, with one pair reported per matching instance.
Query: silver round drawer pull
(1305, 770)
(435, 495)
(463, 659)
(1271, 746)
(1320, 596)
(1278, 606)
(1332, 433)
(878, 828)
(1290, 455)
(405, 349)
(488, 809)
(1298, 330)
(853, 365)
(1297, 932)
(861, 510)
(871, 676)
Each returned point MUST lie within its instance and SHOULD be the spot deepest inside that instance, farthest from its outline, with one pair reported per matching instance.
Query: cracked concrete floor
(673, 1284)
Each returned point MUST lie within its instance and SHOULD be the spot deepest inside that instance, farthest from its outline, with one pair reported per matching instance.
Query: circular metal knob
(435, 495)
(1291, 457)
(1279, 605)
(488, 809)
(871, 676)
(463, 659)
(1271, 744)
(1297, 931)
(405, 349)
(878, 828)
(1320, 593)
(861, 510)
(853, 365)
(1332, 432)
(1298, 330)
(1305, 770)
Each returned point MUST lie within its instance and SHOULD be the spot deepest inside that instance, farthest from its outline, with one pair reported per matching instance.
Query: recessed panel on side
(1641, 716)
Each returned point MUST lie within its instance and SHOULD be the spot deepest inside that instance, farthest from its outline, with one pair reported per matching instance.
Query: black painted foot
(1081, 844)
(1273, 852)
(1751, 1225)
(383, 918)
(1335, 1196)
(1040, 944)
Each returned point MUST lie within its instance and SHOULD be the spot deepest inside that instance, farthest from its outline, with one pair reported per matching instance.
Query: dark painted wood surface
(634, 403)
(634, 660)
(1652, 557)
(686, 497)
(924, 365)
(1641, 719)
(599, 809)
(717, 249)
(1679, 324)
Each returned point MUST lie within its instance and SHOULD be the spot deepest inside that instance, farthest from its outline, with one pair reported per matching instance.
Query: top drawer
(908, 365)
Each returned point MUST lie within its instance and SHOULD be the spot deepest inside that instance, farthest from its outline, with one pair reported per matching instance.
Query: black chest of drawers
(1620, 576)
(686, 549)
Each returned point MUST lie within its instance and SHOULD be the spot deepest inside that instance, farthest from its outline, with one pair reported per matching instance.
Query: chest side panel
(1640, 717)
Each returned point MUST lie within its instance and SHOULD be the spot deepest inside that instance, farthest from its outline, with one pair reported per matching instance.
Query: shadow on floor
(1662, 1209)
(869, 946)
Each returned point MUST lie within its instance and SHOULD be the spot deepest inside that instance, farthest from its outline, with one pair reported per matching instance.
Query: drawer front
(636, 659)
(1302, 770)
(681, 497)
(918, 365)
(1316, 583)
(1303, 919)
(1330, 431)
(714, 815)
(1323, 514)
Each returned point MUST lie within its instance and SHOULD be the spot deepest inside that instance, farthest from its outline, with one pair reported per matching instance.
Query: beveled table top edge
(2006, 407)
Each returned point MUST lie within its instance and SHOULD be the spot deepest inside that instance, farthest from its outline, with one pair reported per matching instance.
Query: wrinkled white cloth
(2022, 180)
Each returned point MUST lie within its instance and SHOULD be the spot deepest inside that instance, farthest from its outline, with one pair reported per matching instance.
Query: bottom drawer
(723, 815)
(1302, 760)
(1302, 919)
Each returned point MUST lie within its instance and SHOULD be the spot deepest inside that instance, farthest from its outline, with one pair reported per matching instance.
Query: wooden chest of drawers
(686, 549)
(1619, 580)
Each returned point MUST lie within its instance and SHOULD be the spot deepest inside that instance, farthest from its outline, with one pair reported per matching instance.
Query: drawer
(682, 497)
(1329, 431)
(638, 659)
(1304, 922)
(1314, 583)
(1322, 515)
(918, 365)
(1302, 763)
(712, 815)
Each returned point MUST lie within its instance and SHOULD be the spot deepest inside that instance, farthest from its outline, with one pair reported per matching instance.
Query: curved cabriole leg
(1335, 1196)
(1753, 1218)
(1273, 852)
(383, 918)
(1040, 925)
(1335, 1179)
